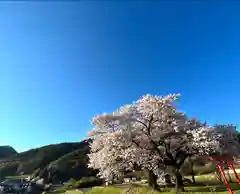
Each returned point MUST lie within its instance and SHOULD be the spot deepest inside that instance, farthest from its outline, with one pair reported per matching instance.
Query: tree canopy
(152, 134)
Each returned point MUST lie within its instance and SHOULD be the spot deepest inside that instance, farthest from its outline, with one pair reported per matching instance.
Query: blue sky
(62, 63)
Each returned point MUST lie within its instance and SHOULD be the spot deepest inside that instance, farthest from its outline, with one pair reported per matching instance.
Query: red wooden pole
(220, 166)
(234, 171)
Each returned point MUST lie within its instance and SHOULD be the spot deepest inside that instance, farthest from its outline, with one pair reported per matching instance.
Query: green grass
(105, 190)
(82, 183)
(136, 190)
(73, 192)
(212, 177)
(207, 179)
(209, 188)
(16, 177)
(115, 190)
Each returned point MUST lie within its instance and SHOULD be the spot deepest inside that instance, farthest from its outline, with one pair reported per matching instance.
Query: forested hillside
(6, 151)
(61, 160)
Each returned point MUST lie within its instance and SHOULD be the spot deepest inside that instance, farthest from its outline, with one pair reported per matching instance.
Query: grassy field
(137, 189)
(209, 180)
(141, 190)
(212, 185)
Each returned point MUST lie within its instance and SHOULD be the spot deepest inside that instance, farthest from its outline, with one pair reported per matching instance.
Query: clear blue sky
(62, 63)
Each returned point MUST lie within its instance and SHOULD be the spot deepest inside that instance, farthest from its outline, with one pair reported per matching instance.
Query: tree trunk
(229, 176)
(179, 182)
(193, 179)
(168, 180)
(152, 179)
(192, 171)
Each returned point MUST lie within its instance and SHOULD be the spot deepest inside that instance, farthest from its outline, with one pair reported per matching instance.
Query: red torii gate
(220, 160)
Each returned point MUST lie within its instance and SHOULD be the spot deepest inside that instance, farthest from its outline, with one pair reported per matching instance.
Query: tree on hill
(153, 135)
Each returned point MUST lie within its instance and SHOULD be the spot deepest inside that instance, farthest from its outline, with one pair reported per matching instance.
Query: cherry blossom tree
(106, 155)
(153, 135)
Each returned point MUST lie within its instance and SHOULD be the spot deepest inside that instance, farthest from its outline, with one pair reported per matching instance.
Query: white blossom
(152, 134)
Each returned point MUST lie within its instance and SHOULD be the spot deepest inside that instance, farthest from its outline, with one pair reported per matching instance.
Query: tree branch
(141, 123)
(149, 126)
(167, 149)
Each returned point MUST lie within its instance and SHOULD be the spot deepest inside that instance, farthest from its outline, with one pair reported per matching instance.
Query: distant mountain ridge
(55, 162)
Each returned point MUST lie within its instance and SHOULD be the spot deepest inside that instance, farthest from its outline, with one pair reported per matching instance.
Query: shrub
(70, 185)
(83, 183)
(63, 189)
(89, 182)
(72, 182)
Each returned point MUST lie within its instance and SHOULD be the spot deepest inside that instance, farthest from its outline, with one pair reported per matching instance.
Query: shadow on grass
(210, 188)
(202, 187)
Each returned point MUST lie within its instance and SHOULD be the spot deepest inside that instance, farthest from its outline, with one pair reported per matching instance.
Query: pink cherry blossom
(151, 131)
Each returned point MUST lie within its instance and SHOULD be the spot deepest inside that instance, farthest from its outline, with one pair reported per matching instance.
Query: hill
(71, 165)
(47, 160)
(6, 151)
